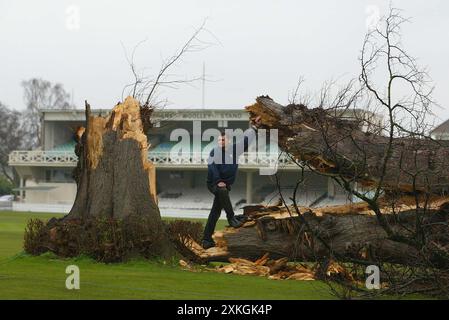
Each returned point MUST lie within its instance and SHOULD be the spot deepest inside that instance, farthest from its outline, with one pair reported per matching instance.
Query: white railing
(198, 158)
(67, 158)
(38, 157)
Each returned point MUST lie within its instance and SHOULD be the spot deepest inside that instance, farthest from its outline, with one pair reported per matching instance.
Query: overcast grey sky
(264, 46)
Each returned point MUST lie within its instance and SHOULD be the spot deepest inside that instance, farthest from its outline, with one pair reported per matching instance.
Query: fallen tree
(382, 155)
(406, 223)
(350, 232)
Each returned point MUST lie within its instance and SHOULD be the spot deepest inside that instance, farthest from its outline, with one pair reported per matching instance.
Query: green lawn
(27, 277)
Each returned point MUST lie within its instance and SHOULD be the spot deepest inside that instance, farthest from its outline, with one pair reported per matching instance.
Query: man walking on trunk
(221, 173)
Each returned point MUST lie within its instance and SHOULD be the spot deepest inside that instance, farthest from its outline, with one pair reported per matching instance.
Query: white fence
(5, 205)
(41, 207)
(66, 158)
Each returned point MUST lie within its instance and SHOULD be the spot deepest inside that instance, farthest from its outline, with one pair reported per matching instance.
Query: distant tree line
(21, 130)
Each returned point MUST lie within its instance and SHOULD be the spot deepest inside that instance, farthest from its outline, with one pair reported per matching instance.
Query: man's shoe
(206, 244)
(241, 218)
(233, 222)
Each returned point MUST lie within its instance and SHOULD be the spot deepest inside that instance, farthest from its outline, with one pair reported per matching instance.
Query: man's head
(223, 139)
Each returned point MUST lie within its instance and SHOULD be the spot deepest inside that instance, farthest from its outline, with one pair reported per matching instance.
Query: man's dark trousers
(221, 201)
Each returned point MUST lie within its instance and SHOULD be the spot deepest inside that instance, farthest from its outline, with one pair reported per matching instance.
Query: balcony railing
(42, 158)
(66, 158)
(198, 158)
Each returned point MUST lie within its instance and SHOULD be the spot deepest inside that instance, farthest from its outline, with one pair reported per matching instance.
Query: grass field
(27, 277)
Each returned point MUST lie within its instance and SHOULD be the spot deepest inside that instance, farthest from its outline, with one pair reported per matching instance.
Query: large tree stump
(114, 177)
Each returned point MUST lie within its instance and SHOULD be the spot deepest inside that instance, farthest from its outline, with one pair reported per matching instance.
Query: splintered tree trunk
(348, 232)
(333, 145)
(114, 177)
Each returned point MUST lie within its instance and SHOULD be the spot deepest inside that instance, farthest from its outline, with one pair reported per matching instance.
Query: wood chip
(273, 269)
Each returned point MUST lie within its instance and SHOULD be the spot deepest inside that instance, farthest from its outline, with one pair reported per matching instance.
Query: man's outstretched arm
(248, 137)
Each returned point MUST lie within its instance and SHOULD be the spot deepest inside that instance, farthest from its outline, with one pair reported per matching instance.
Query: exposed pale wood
(152, 178)
(273, 269)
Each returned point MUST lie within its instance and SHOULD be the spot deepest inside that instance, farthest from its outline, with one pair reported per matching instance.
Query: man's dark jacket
(223, 163)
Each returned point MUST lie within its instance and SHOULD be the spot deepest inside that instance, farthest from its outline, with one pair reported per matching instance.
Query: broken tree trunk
(351, 232)
(114, 177)
(333, 145)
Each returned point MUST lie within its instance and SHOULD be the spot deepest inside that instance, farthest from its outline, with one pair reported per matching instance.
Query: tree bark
(336, 146)
(350, 232)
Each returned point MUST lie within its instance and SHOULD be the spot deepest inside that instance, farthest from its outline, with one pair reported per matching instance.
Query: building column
(330, 188)
(196, 143)
(21, 185)
(249, 187)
